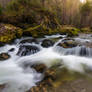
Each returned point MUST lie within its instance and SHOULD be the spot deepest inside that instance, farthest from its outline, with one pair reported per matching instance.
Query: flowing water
(18, 78)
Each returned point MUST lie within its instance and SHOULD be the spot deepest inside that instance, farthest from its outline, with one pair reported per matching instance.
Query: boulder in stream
(47, 43)
(25, 50)
(29, 40)
(11, 50)
(4, 56)
(68, 44)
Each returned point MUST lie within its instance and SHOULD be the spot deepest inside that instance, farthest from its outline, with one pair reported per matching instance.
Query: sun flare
(82, 1)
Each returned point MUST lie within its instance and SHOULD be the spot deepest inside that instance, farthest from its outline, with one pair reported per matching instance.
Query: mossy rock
(40, 31)
(86, 30)
(34, 31)
(70, 31)
(68, 44)
(54, 78)
(9, 32)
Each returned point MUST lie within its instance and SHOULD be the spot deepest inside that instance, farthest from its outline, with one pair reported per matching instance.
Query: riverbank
(9, 32)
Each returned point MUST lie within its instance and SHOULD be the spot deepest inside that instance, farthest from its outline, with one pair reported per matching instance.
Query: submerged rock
(47, 43)
(4, 56)
(46, 83)
(27, 50)
(39, 67)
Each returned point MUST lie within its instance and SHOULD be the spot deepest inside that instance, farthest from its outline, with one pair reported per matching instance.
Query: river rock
(4, 56)
(87, 44)
(2, 44)
(47, 43)
(46, 83)
(31, 40)
(27, 50)
(39, 67)
(2, 87)
(68, 44)
(11, 50)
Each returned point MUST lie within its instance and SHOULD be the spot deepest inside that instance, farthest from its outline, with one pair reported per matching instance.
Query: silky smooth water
(17, 78)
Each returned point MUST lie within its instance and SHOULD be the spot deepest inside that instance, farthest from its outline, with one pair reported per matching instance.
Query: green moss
(86, 30)
(7, 38)
(40, 31)
(33, 28)
(9, 32)
(71, 31)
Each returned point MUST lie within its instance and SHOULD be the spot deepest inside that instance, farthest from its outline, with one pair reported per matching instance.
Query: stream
(16, 72)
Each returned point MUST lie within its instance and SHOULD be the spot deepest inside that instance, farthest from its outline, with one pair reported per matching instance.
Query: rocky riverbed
(56, 76)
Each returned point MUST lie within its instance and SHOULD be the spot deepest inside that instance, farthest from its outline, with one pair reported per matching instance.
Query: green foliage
(26, 13)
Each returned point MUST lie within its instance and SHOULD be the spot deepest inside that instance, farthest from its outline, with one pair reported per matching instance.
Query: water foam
(20, 79)
(50, 57)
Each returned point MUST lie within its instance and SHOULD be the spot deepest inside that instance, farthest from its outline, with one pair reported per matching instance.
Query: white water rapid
(16, 78)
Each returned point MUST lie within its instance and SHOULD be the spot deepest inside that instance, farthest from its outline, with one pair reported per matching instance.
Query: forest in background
(67, 12)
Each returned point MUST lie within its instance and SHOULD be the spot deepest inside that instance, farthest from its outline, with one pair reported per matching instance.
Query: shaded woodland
(67, 12)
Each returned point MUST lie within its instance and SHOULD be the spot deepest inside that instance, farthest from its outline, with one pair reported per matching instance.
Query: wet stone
(2, 87)
(1, 44)
(11, 50)
(47, 43)
(47, 83)
(39, 67)
(25, 50)
(31, 40)
(4, 56)
(68, 44)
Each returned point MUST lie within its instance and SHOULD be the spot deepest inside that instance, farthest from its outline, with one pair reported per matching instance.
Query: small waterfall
(78, 51)
(50, 57)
